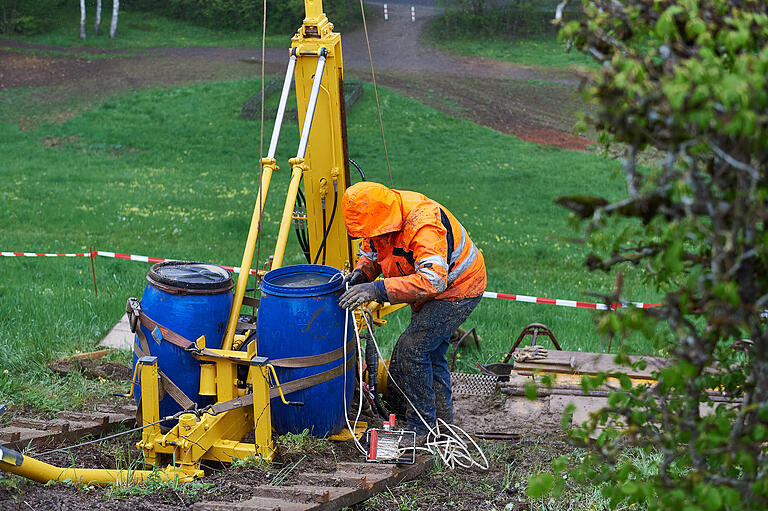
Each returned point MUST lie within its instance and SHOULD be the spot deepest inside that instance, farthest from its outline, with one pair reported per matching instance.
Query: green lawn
(539, 50)
(142, 30)
(173, 173)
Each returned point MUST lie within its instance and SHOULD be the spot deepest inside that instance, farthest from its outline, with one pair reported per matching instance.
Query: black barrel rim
(201, 278)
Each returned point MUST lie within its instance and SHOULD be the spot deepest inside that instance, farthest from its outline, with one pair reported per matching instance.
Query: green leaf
(712, 499)
(558, 488)
(531, 390)
(624, 381)
(673, 256)
(630, 488)
(665, 27)
(559, 463)
(695, 26)
(539, 485)
(567, 418)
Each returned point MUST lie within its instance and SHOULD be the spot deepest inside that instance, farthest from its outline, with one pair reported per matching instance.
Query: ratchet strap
(137, 317)
(314, 360)
(166, 384)
(287, 388)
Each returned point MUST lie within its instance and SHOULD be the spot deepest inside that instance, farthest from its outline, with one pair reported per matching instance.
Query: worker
(428, 261)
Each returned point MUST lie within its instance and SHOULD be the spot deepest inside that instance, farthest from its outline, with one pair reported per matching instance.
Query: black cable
(248, 339)
(362, 174)
(372, 361)
(330, 223)
(301, 232)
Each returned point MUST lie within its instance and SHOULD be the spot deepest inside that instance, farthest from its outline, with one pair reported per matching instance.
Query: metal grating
(473, 384)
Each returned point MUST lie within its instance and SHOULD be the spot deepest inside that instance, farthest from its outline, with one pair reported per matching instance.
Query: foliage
(688, 78)
(140, 30)
(166, 491)
(25, 17)
(282, 16)
(304, 442)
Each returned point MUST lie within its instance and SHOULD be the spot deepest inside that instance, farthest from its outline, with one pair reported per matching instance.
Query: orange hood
(371, 209)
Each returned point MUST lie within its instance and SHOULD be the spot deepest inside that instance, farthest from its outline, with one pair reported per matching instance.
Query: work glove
(355, 278)
(359, 294)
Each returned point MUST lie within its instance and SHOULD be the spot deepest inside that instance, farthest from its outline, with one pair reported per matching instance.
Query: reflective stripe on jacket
(418, 245)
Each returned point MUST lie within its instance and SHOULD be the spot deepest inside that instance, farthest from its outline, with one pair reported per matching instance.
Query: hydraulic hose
(299, 225)
(362, 175)
(330, 224)
(372, 361)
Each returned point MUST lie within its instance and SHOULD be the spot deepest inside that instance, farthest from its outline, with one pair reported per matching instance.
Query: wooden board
(577, 362)
(349, 484)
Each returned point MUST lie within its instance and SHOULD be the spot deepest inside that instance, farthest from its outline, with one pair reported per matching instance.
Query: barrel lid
(190, 277)
(302, 280)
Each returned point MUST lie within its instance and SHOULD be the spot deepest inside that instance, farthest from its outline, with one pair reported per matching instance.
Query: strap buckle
(133, 310)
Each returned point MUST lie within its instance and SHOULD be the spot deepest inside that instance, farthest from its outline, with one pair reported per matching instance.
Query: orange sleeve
(431, 269)
(368, 261)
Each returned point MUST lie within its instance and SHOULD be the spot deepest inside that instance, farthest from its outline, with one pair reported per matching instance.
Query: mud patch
(93, 369)
(58, 141)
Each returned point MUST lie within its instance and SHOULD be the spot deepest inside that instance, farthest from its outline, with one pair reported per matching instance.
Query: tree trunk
(98, 17)
(113, 27)
(82, 19)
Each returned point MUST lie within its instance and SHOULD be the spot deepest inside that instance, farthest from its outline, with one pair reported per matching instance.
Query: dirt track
(536, 104)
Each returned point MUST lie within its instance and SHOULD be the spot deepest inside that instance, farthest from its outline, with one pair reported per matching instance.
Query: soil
(501, 485)
(93, 369)
(536, 104)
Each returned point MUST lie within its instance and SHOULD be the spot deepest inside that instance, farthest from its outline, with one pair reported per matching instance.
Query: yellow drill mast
(216, 432)
(321, 159)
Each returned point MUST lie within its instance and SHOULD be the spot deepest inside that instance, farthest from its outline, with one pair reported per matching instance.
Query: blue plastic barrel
(299, 315)
(191, 299)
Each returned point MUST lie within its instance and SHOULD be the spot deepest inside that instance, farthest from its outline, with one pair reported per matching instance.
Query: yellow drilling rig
(202, 385)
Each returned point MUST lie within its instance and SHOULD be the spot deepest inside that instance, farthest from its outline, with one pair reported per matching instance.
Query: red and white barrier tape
(113, 255)
(567, 303)
(236, 269)
(35, 254)
(147, 259)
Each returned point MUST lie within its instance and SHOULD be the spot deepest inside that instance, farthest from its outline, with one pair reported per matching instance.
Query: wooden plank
(302, 493)
(340, 478)
(400, 473)
(590, 363)
(368, 479)
(254, 504)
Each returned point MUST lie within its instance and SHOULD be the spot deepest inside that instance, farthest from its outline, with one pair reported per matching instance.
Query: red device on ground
(388, 445)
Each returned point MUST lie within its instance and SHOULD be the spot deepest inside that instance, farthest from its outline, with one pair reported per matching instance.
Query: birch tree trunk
(98, 17)
(82, 19)
(113, 27)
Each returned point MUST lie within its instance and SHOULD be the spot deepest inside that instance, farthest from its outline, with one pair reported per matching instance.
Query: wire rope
(376, 93)
(261, 135)
(449, 442)
(115, 435)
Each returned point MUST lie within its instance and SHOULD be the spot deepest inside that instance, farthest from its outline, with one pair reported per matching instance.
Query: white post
(413, 13)
(82, 19)
(386, 13)
(98, 17)
(113, 26)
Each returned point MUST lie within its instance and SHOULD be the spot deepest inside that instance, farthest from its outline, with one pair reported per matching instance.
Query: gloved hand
(359, 294)
(355, 278)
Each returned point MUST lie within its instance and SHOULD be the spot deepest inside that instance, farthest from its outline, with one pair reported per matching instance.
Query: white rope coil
(454, 446)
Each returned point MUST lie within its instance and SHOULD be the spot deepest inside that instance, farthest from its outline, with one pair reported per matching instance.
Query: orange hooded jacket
(421, 249)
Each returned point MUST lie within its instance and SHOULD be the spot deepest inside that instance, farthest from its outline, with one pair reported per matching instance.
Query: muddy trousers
(418, 363)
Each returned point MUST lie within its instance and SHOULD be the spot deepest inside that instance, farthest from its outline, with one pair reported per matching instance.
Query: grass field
(539, 50)
(173, 173)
